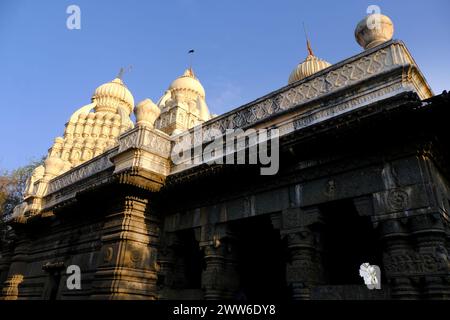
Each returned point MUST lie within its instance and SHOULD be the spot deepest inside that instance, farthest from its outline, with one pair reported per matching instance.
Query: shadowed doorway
(261, 260)
(350, 240)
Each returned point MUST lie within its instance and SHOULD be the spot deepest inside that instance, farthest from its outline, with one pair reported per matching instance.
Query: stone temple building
(363, 177)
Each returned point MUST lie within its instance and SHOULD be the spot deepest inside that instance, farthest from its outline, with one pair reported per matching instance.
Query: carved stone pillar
(128, 260)
(305, 268)
(432, 257)
(17, 269)
(220, 279)
(171, 266)
(127, 268)
(166, 259)
(413, 225)
(6, 253)
(416, 260)
(398, 260)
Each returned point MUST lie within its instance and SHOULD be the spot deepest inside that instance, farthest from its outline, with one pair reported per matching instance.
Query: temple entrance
(261, 260)
(181, 279)
(349, 241)
(192, 260)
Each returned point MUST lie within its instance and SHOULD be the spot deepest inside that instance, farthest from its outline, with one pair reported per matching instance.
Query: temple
(363, 177)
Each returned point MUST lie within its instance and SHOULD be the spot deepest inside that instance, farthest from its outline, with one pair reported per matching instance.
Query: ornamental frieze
(412, 263)
(81, 172)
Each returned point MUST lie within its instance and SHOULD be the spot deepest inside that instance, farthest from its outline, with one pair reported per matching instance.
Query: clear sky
(243, 49)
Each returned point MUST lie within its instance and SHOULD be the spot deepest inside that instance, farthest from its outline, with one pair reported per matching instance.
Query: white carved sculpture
(371, 275)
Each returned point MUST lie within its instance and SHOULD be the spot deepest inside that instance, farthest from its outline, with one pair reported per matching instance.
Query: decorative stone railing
(147, 139)
(145, 148)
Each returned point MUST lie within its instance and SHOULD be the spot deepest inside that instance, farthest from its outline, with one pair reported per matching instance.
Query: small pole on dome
(120, 75)
(122, 71)
(190, 53)
(308, 44)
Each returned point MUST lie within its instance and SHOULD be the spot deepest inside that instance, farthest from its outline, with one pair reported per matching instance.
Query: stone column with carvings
(220, 279)
(416, 260)
(414, 234)
(128, 260)
(432, 259)
(170, 264)
(305, 267)
(127, 268)
(6, 252)
(11, 290)
(398, 260)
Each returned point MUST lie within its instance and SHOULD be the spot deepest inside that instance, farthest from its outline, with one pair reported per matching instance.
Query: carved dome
(111, 95)
(308, 67)
(188, 82)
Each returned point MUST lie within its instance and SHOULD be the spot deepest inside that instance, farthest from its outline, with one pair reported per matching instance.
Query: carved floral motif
(412, 263)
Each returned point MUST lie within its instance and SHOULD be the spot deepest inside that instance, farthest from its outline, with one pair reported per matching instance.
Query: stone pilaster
(433, 263)
(127, 268)
(305, 266)
(416, 259)
(169, 262)
(5, 260)
(304, 269)
(398, 260)
(11, 290)
(220, 279)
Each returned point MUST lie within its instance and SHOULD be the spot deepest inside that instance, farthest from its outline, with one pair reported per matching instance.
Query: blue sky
(244, 49)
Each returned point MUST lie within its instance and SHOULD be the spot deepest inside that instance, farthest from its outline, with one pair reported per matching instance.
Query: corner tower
(183, 105)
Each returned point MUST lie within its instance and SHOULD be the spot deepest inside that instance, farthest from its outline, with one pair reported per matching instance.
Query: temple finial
(122, 71)
(308, 44)
(190, 53)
